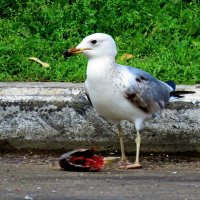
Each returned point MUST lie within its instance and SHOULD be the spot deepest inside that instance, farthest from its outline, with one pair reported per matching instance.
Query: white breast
(105, 90)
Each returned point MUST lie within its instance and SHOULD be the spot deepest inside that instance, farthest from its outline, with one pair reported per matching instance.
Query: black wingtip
(177, 94)
(172, 84)
(180, 94)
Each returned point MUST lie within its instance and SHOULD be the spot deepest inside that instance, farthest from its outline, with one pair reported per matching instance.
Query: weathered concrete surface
(57, 116)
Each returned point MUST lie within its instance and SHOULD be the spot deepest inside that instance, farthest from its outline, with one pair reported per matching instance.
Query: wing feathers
(144, 91)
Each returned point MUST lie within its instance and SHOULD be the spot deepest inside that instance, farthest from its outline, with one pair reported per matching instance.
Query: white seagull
(120, 92)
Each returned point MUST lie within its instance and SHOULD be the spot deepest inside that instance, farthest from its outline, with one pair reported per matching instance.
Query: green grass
(162, 35)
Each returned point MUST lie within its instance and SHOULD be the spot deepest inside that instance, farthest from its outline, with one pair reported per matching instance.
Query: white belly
(110, 103)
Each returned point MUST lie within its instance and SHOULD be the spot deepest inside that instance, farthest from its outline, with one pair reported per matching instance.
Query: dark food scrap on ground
(81, 160)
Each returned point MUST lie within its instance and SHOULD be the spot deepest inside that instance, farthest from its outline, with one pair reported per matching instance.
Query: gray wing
(143, 90)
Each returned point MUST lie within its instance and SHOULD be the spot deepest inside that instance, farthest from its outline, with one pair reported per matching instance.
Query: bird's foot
(131, 166)
(122, 164)
(135, 165)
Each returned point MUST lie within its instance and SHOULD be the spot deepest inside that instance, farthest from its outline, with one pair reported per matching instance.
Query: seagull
(120, 92)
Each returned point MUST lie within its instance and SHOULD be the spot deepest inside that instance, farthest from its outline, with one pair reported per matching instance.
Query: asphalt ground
(162, 177)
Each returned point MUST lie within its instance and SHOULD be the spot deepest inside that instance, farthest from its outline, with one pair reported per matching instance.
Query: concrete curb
(57, 116)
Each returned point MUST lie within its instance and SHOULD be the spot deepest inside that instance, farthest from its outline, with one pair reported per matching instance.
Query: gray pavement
(40, 177)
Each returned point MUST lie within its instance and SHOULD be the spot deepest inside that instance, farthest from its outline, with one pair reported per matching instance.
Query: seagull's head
(94, 46)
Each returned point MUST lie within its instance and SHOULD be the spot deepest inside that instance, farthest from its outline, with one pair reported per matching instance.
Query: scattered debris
(28, 197)
(9, 189)
(18, 189)
(39, 61)
(126, 56)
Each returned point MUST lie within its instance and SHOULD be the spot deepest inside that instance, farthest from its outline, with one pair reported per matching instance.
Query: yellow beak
(74, 51)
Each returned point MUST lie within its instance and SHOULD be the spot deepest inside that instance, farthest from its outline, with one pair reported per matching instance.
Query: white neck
(97, 68)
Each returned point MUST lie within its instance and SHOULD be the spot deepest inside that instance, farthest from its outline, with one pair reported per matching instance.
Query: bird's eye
(93, 41)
